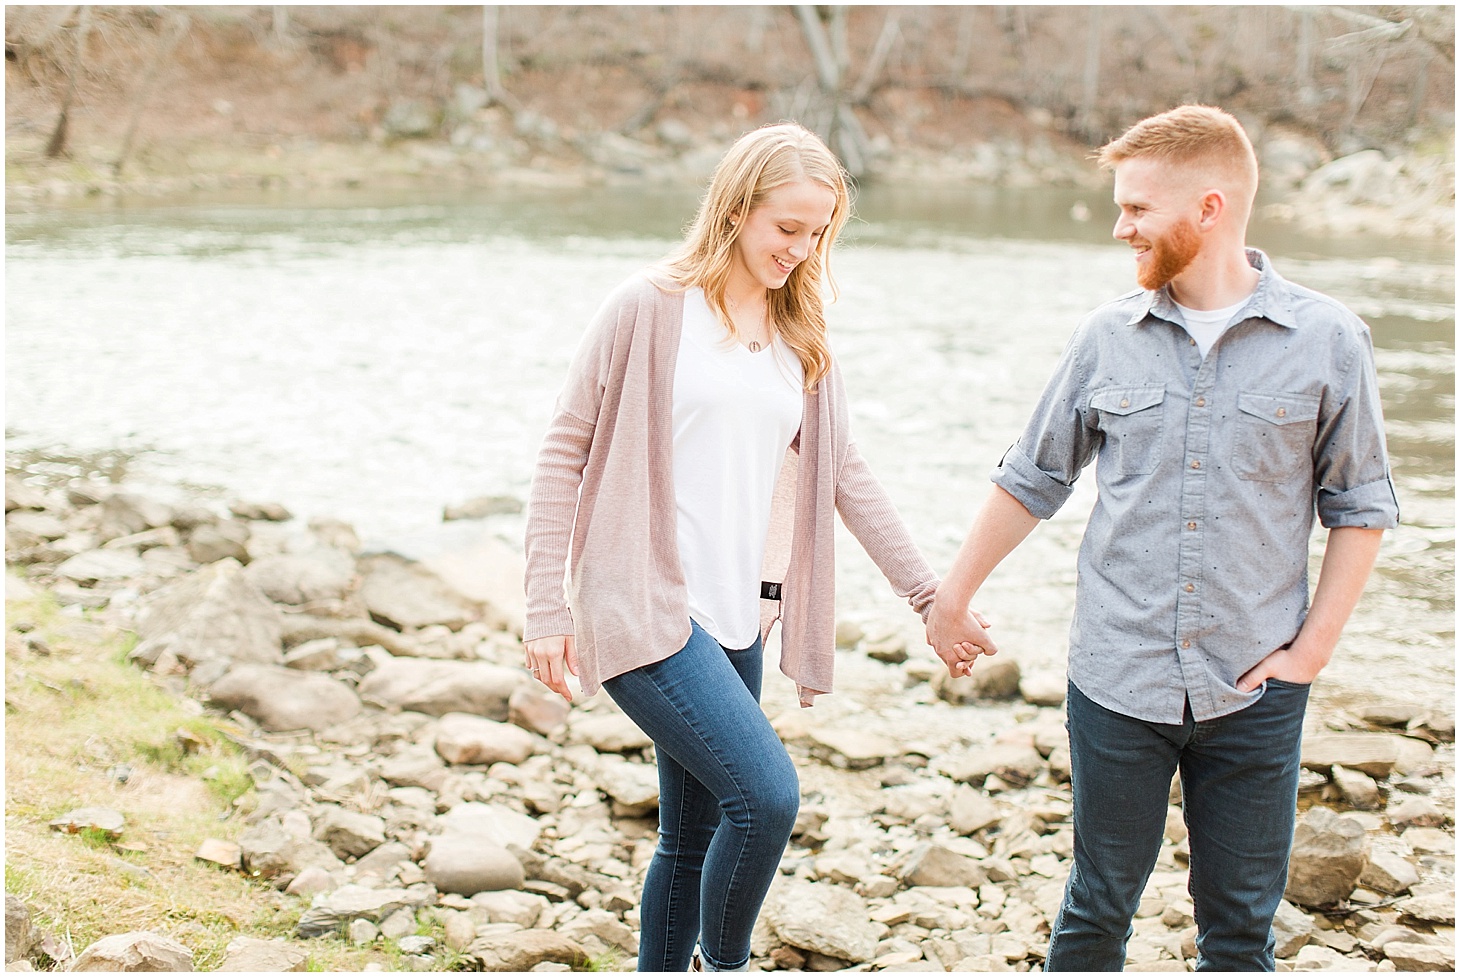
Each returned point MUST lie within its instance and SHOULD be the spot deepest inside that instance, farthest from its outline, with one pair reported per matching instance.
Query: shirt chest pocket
(1275, 435)
(1132, 421)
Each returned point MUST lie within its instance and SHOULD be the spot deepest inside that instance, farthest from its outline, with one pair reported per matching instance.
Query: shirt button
(1190, 588)
(1196, 464)
(1125, 403)
(1186, 642)
(1282, 412)
(1191, 525)
(1201, 401)
(1191, 342)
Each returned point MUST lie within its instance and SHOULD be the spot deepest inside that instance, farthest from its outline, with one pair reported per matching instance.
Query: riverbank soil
(148, 101)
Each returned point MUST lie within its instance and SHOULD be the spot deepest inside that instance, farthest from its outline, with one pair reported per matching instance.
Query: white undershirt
(735, 414)
(1205, 326)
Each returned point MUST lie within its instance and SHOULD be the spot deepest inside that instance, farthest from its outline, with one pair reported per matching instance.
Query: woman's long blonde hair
(759, 162)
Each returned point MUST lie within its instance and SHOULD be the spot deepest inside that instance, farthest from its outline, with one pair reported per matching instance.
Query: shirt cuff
(1037, 490)
(547, 624)
(1369, 506)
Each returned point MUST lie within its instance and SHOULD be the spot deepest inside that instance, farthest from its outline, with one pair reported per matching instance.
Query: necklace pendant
(754, 346)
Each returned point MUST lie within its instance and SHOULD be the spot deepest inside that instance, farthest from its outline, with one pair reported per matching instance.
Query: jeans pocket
(1275, 434)
(1285, 684)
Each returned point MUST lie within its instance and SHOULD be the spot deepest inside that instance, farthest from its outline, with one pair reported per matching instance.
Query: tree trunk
(1091, 90)
(841, 129)
(176, 31)
(491, 64)
(56, 145)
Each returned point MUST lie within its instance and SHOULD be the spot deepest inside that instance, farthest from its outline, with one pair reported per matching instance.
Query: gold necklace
(753, 345)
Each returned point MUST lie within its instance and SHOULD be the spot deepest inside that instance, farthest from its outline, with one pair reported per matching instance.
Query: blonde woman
(658, 486)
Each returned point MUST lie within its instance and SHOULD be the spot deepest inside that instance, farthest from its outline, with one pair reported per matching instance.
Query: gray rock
(458, 930)
(464, 738)
(483, 506)
(362, 932)
(1438, 907)
(414, 767)
(102, 565)
(227, 854)
(331, 912)
(608, 733)
(507, 906)
(247, 955)
(1012, 763)
(39, 526)
(1329, 855)
(21, 495)
(382, 862)
(399, 924)
(536, 709)
(469, 863)
(523, 951)
(100, 819)
(992, 678)
(934, 865)
(405, 594)
(20, 935)
(1291, 929)
(1358, 789)
(408, 118)
(1389, 873)
(497, 823)
(822, 918)
(441, 687)
(1415, 957)
(300, 628)
(849, 634)
(488, 573)
(1416, 812)
(214, 614)
(601, 927)
(1045, 689)
(269, 852)
(261, 511)
(134, 952)
(1372, 753)
(124, 513)
(1383, 711)
(320, 655)
(223, 540)
(971, 811)
(282, 699)
(349, 832)
(323, 573)
(413, 944)
(634, 787)
(852, 749)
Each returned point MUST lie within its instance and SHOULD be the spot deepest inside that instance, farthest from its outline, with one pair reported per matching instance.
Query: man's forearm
(1347, 562)
(1001, 525)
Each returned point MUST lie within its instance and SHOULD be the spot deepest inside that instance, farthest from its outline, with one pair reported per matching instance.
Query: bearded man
(1225, 406)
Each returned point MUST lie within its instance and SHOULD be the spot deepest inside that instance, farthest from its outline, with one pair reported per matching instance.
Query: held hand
(551, 659)
(958, 638)
(1287, 664)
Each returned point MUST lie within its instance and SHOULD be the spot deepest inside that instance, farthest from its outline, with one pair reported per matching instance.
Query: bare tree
(491, 64)
(177, 29)
(835, 122)
(56, 145)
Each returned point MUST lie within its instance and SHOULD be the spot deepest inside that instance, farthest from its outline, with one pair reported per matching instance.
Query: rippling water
(378, 362)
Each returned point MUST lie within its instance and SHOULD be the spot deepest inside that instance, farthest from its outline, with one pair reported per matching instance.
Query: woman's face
(781, 233)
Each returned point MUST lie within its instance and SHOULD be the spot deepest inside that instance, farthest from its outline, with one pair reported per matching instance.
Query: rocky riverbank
(410, 788)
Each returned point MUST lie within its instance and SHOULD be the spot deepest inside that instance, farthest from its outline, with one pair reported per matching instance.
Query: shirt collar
(1271, 299)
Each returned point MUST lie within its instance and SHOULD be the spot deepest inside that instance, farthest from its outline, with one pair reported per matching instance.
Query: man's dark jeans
(1239, 785)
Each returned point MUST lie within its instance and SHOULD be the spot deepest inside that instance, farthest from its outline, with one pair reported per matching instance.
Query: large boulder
(1375, 754)
(20, 936)
(463, 738)
(1013, 763)
(332, 912)
(440, 687)
(496, 823)
(991, 678)
(349, 832)
(282, 699)
(823, 918)
(523, 951)
(489, 573)
(322, 573)
(610, 732)
(1329, 855)
(934, 865)
(405, 594)
(134, 952)
(215, 613)
(123, 514)
(468, 863)
(248, 955)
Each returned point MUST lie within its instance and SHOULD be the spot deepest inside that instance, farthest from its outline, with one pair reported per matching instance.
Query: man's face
(1158, 218)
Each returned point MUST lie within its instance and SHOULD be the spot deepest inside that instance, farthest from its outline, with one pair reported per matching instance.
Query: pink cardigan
(602, 491)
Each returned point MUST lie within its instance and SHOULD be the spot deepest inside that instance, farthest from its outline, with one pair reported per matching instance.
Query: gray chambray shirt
(1194, 565)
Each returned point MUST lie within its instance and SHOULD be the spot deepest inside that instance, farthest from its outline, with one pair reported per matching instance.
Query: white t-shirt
(1205, 326)
(735, 414)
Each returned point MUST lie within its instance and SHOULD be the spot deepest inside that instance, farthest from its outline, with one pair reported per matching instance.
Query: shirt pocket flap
(1127, 400)
(1279, 408)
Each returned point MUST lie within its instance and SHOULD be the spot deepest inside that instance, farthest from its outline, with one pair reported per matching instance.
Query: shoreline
(378, 712)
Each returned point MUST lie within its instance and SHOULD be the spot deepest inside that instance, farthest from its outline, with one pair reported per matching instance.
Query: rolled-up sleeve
(1040, 469)
(1354, 486)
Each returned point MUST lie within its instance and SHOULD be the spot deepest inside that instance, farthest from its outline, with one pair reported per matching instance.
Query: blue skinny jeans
(1239, 789)
(728, 798)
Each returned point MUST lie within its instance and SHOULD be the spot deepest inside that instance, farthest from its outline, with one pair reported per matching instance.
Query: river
(376, 357)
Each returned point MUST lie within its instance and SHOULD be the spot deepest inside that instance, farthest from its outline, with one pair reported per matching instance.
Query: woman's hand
(959, 637)
(550, 660)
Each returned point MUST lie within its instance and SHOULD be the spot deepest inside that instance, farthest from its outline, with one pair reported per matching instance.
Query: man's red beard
(1169, 256)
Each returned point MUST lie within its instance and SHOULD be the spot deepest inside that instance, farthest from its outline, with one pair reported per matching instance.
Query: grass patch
(83, 728)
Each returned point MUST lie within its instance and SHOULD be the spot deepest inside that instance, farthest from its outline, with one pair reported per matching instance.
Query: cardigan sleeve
(552, 506)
